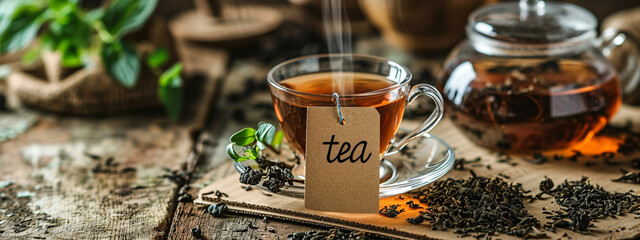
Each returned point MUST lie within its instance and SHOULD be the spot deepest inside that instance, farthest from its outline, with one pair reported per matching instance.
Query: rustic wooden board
(126, 198)
(229, 226)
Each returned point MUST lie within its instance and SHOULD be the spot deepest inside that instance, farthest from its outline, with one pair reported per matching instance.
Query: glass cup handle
(428, 124)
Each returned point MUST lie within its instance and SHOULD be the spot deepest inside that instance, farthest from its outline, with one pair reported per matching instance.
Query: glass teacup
(359, 81)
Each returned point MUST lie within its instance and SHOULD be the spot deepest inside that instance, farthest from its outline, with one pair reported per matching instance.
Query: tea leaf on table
(158, 57)
(244, 137)
(124, 16)
(170, 91)
(121, 61)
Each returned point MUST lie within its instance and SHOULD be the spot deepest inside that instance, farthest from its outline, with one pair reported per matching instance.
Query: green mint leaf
(244, 137)
(265, 133)
(232, 152)
(94, 15)
(20, 29)
(71, 54)
(125, 16)
(171, 73)
(260, 145)
(31, 55)
(242, 159)
(170, 91)
(121, 62)
(277, 139)
(251, 153)
(7, 11)
(158, 57)
(60, 5)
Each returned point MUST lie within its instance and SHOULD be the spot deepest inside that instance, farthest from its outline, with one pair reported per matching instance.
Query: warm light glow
(408, 212)
(596, 146)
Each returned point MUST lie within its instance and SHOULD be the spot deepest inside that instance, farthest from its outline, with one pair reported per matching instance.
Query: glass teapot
(531, 77)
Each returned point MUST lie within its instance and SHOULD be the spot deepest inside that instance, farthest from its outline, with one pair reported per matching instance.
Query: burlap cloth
(255, 202)
(88, 90)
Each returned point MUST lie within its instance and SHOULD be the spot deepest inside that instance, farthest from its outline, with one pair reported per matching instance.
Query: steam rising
(338, 35)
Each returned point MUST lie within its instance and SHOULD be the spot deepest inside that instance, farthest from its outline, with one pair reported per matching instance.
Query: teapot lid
(531, 28)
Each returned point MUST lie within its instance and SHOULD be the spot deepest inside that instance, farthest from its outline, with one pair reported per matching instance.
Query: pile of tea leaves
(581, 203)
(335, 234)
(272, 177)
(476, 205)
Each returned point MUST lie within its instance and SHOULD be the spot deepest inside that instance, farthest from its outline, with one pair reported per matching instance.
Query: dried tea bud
(417, 220)
(217, 209)
(391, 210)
(635, 163)
(3, 102)
(546, 185)
(185, 198)
(581, 221)
(251, 176)
(196, 232)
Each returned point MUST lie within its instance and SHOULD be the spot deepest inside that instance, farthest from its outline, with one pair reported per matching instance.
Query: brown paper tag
(342, 161)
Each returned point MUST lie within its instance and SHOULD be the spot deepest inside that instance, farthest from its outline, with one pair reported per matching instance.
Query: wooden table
(63, 185)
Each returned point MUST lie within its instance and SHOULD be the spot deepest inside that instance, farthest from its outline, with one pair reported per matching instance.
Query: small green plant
(253, 141)
(77, 34)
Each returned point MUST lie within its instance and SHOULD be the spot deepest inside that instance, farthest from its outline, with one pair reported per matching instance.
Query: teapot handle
(622, 30)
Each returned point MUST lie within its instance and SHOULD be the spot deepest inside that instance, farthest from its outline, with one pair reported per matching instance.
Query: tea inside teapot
(530, 78)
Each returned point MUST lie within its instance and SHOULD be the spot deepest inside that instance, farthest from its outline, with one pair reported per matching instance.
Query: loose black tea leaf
(414, 205)
(576, 154)
(334, 234)
(251, 176)
(476, 205)
(185, 198)
(635, 163)
(628, 177)
(220, 194)
(417, 220)
(391, 210)
(538, 158)
(583, 202)
(504, 176)
(196, 232)
(275, 176)
(546, 185)
(217, 209)
(458, 164)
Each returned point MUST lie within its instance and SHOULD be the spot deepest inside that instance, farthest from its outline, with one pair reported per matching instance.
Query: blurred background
(78, 58)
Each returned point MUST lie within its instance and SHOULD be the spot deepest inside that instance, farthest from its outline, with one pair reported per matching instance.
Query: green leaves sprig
(252, 141)
(76, 34)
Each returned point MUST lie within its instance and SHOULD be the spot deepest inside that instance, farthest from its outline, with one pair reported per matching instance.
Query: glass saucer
(423, 161)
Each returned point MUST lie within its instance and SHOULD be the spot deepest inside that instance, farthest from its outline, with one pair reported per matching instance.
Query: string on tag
(336, 100)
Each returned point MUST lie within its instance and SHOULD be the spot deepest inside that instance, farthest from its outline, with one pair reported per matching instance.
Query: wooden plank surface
(63, 184)
(78, 193)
